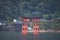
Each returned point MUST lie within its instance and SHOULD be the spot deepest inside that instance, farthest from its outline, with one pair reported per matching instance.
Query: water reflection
(24, 36)
(35, 37)
(30, 37)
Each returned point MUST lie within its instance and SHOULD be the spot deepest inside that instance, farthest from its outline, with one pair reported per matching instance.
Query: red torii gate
(25, 26)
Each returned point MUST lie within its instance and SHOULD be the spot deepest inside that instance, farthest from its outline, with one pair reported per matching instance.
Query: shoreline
(48, 31)
(32, 31)
(45, 31)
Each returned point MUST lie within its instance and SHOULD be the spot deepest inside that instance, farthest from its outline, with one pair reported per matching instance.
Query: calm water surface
(30, 36)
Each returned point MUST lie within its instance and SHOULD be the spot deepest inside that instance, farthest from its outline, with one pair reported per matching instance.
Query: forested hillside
(14, 8)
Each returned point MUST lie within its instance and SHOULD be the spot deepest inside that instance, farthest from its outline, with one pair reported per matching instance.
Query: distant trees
(55, 24)
(15, 8)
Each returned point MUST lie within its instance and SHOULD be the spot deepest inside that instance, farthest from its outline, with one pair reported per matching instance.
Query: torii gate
(25, 26)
